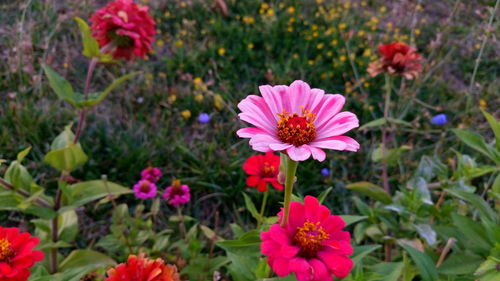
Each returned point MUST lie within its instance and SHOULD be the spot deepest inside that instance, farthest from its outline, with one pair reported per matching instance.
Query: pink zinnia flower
(151, 174)
(263, 169)
(177, 194)
(311, 245)
(126, 27)
(145, 189)
(297, 120)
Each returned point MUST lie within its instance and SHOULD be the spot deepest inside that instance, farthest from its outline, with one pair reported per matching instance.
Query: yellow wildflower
(221, 51)
(186, 113)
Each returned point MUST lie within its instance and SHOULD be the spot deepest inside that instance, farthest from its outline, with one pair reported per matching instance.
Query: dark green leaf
(61, 86)
(372, 190)
(423, 262)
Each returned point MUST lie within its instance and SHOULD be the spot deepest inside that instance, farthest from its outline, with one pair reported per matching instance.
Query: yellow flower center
(295, 129)
(309, 238)
(6, 251)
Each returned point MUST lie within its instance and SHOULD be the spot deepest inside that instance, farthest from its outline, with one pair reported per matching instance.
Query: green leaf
(475, 200)
(474, 232)
(65, 155)
(478, 143)
(90, 45)
(66, 159)
(362, 251)
(348, 219)
(423, 262)
(322, 196)
(460, 263)
(251, 207)
(22, 154)
(495, 126)
(375, 123)
(391, 156)
(96, 98)
(80, 262)
(390, 270)
(8, 201)
(372, 190)
(88, 191)
(61, 86)
(18, 176)
(248, 244)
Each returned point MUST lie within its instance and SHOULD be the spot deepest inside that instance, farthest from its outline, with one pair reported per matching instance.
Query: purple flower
(204, 118)
(177, 194)
(151, 174)
(439, 119)
(145, 189)
(325, 172)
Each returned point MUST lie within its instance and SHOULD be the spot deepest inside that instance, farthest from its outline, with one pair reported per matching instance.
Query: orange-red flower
(17, 254)
(263, 169)
(140, 268)
(124, 29)
(397, 58)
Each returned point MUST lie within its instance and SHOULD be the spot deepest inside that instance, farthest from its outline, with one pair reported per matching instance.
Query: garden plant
(307, 140)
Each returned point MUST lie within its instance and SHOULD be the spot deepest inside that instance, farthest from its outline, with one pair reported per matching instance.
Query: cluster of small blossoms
(176, 194)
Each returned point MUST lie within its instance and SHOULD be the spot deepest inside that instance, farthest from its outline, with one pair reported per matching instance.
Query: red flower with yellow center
(17, 254)
(261, 170)
(397, 58)
(140, 268)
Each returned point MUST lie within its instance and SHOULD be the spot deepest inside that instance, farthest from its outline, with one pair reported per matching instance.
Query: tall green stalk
(290, 171)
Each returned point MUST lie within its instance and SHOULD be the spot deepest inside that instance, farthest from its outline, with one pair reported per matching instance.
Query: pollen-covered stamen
(6, 252)
(268, 171)
(309, 238)
(295, 129)
(177, 188)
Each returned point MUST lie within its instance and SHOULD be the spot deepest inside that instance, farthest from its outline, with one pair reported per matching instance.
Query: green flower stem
(182, 227)
(264, 202)
(290, 170)
(387, 102)
(83, 111)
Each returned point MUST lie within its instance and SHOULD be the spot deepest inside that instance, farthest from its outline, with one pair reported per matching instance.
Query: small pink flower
(177, 194)
(151, 174)
(311, 245)
(297, 120)
(145, 189)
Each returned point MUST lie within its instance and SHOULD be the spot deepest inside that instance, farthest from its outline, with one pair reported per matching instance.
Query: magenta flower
(311, 245)
(297, 120)
(151, 174)
(145, 189)
(177, 194)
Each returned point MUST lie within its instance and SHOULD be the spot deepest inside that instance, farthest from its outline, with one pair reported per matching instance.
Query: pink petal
(328, 108)
(299, 153)
(299, 264)
(329, 144)
(299, 93)
(317, 153)
(249, 132)
(338, 125)
(280, 146)
(255, 111)
(320, 270)
(274, 97)
(339, 265)
(280, 267)
(261, 142)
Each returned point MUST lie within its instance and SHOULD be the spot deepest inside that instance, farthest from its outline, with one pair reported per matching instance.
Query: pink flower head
(177, 194)
(297, 120)
(145, 189)
(311, 245)
(151, 174)
(127, 26)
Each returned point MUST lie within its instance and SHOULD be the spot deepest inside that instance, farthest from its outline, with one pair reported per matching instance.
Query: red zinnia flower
(263, 169)
(397, 58)
(140, 268)
(17, 254)
(311, 245)
(125, 28)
